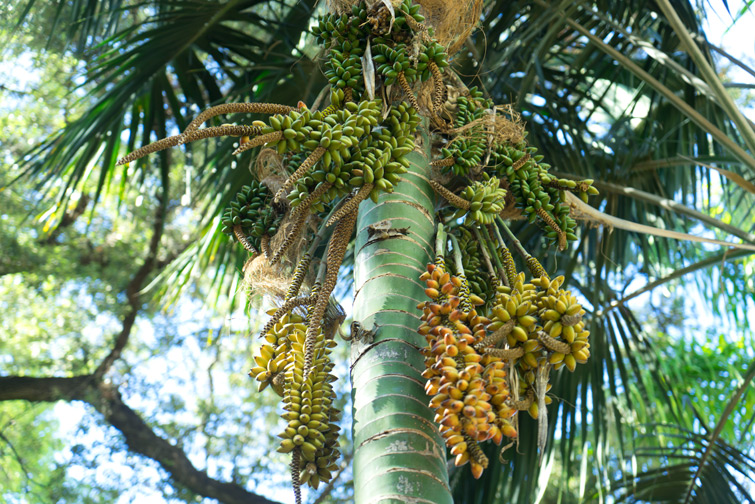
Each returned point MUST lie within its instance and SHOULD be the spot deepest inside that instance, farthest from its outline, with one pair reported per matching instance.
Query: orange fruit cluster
(468, 388)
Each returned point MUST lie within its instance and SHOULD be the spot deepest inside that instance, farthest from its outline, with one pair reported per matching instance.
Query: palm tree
(621, 92)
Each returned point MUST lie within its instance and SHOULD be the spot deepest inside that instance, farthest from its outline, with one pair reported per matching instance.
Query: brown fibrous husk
(263, 279)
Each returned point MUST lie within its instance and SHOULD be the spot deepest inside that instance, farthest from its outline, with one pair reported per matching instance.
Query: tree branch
(140, 437)
(135, 286)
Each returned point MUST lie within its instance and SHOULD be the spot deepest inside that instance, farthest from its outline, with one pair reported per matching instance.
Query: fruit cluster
(486, 200)
(525, 328)
(480, 282)
(468, 388)
(467, 150)
(252, 213)
(345, 37)
(274, 352)
(361, 148)
(307, 401)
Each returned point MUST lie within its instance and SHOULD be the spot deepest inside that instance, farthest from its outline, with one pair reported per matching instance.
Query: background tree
(571, 90)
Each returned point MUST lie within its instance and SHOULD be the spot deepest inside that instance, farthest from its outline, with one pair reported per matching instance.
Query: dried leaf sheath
(243, 108)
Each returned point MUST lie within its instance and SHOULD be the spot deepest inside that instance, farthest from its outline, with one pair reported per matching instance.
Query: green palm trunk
(399, 454)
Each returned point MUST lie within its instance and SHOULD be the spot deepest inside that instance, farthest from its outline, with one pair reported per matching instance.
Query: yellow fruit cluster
(468, 389)
(273, 354)
(307, 401)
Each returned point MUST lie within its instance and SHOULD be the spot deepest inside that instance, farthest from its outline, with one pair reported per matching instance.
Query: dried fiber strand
(408, 91)
(233, 108)
(262, 278)
(455, 200)
(442, 163)
(552, 344)
(352, 204)
(552, 223)
(293, 234)
(275, 136)
(286, 307)
(242, 238)
(308, 163)
(336, 250)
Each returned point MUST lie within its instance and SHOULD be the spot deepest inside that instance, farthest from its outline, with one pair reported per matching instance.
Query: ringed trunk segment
(399, 454)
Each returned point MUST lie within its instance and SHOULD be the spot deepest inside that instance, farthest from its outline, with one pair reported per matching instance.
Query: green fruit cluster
(468, 150)
(361, 148)
(472, 107)
(480, 282)
(486, 200)
(252, 211)
(529, 182)
(307, 401)
(345, 37)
